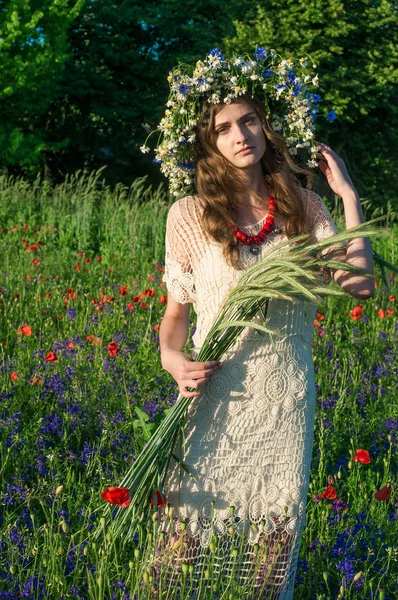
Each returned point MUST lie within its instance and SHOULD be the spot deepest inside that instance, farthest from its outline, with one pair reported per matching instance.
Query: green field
(82, 268)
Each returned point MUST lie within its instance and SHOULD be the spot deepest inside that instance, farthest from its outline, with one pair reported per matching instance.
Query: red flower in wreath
(115, 495)
(362, 456)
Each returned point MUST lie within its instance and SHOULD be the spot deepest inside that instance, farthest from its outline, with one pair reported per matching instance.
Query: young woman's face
(239, 135)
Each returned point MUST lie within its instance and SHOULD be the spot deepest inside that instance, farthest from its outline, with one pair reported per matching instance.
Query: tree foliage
(33, 49)
(82, 81)
(355, 47)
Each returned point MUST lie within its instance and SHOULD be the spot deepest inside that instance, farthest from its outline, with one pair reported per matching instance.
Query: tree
(33, 49)
(355, 47)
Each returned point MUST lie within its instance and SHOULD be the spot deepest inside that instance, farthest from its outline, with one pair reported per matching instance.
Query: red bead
(257, 239)
(268, 227)
(262, 235)
(242, 236)
(249, 240)
(269, 220)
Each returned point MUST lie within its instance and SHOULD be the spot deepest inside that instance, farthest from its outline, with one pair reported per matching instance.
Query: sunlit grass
(68, 425)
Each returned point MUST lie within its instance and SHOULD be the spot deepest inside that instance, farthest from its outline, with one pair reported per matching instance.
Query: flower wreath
(281, 84)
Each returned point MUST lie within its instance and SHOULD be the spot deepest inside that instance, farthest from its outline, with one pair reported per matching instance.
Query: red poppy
(330, 493)
(320, 316)
(77, 268)
(161, 500)
(150, 292)
(99, 259)
(316, 323)
(35, 261)
(150, 277)
(115, 495)
(130, 306)
(156, 327)
(391, 298)
(136, 299)
(87, 260)
(113, 348)
(48, 295)
(144, 305)
(381, 314)
(51, 357)
(71, 293)
(362, 456)
(70, 345)
(36, 381)
(25, 330)
(383, 493)
(14, 376)
(123, 290)
(16, 296)
(390, 311)
(163, 299)
(356, 312)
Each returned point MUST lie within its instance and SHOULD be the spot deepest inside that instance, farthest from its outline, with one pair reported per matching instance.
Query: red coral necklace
(254, 241)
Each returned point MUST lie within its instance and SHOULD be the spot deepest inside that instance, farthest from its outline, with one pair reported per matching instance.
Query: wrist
(349, 194)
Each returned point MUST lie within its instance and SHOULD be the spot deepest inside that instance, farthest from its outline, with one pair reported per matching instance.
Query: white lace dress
(249, 435)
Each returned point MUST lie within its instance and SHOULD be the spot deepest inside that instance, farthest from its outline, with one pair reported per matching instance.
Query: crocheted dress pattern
(249, 435)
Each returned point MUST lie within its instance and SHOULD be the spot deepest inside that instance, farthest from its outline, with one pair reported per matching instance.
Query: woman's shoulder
(185, 209)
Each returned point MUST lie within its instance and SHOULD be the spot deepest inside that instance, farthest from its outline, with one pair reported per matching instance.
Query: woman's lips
(245, 150)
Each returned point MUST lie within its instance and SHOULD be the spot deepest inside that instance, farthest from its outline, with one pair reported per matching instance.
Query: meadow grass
(82, 267)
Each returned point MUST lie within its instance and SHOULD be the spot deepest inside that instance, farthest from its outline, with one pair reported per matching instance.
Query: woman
(249, 429)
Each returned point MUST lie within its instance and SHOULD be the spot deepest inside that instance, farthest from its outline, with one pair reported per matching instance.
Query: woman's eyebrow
(249, 114)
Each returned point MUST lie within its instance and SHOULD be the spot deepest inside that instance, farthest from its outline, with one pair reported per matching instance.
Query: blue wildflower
(346, 566)
(316, 98)
(296, 90)
(331, 116)
(157, 160)
(200, 81)
(216, 52)
(260, 53)
(267, 73)
(280, 86)
(183, 89)
(291, 76)
(71, 313)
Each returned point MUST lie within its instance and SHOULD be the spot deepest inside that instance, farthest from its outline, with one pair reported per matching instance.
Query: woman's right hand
(187, 372)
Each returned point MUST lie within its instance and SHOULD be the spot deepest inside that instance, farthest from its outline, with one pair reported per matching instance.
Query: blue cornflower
(260, 53)
(200, 81)
(291, 76)
(216, 52)
(157, 160)
(331, 116)
(346, 566)
(183, 89)
(267, 73)
(71, 313)
(296, 90)
(316, 98)
(279, 86)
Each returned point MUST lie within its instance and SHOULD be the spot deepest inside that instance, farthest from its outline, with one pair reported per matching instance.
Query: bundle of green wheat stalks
(290, 270)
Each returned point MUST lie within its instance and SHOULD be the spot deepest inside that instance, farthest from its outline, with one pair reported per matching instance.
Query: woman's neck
(254, 204)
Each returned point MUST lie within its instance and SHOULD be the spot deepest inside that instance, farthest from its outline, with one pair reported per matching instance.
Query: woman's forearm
(173, 333)
(359, 251)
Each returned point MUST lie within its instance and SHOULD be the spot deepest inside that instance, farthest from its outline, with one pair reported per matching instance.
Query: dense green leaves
(81, 82)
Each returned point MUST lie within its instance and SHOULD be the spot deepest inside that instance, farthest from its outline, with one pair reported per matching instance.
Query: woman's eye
(221, 130)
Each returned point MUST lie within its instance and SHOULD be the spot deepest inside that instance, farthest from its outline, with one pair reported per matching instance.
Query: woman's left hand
(333, 167)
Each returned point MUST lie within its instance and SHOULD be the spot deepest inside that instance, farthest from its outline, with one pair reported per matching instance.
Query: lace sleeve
(178, 275)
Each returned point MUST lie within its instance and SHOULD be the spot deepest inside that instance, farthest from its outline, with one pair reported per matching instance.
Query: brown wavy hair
(220, 185)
